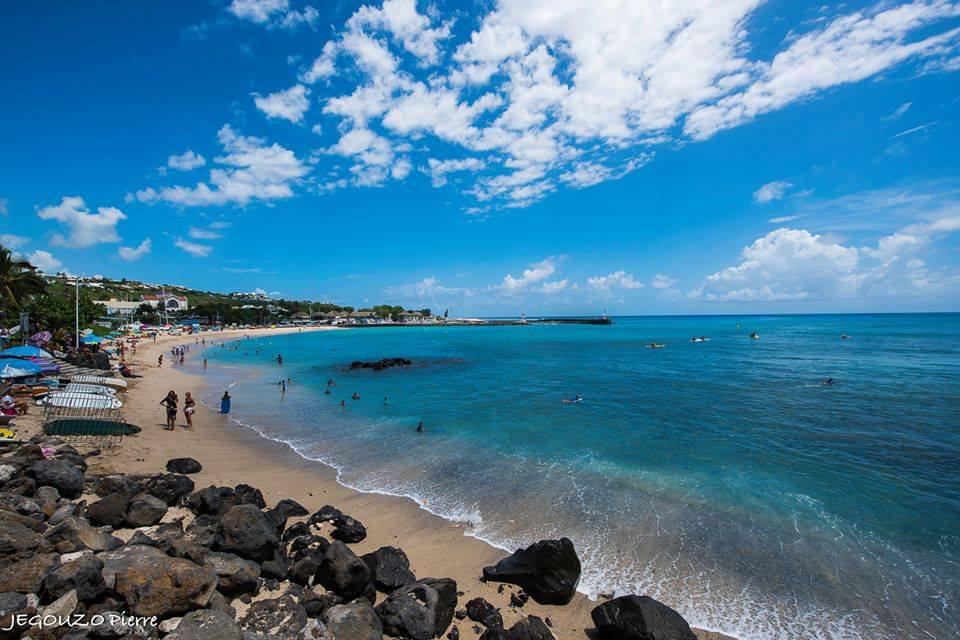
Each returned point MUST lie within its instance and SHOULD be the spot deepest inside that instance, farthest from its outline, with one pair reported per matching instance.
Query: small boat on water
(700, 339)
(107, 381)
(573, 400)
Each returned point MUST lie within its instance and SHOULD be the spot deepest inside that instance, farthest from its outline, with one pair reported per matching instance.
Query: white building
(168, 301)
(118, 307)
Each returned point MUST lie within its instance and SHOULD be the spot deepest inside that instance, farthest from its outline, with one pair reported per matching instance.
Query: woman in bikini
(189, 407)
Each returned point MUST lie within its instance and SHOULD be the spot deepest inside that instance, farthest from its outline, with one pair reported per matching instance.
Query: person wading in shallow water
(420, 427)
(225, 402)
(171, 403)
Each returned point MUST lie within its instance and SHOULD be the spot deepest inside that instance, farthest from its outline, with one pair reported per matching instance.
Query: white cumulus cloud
(771, 191)
(131, 254)
(193, 248)
(289, 104)
(186, 161)
(616, 280)
(85, 228)
(44, 261)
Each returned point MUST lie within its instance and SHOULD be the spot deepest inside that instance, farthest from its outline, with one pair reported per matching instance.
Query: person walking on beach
(160, 360)
(225, 403)
(204, 364)
(189, 408)
(171, 403)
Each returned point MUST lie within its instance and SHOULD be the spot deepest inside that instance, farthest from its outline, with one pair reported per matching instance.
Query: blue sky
(494, 157)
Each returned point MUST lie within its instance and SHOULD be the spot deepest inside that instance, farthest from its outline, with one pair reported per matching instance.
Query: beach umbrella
(40, 338)
(91, 339)
(14, 368)
(24, 351)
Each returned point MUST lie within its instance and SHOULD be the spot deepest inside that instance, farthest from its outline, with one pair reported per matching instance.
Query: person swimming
(355, 396)
(755, 335)
(828, 382)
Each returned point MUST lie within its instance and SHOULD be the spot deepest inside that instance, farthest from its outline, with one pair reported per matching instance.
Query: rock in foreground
(639, 618)
(548, 570)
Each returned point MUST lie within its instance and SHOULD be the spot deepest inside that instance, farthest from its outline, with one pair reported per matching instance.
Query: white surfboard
(82, 387)
(80, 401)
(113, 383)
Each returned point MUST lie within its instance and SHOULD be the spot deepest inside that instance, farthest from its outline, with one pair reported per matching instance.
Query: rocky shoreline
(151, 555)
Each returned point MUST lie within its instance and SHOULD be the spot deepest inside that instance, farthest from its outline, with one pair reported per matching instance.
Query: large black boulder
(206, 624)
(420, 610)
(389, 568)
(548, 570)
(246, 531)
(184, 465)
(639, 618)
(205, 501)
(342, 572)
(59, 474)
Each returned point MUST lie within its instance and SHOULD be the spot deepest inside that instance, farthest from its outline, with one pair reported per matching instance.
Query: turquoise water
(720, 477)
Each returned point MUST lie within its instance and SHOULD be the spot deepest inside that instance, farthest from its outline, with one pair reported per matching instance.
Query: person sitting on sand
(189, 407)
(171, 403)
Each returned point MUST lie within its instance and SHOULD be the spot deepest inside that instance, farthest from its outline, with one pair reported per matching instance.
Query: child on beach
(171, 403)
(189, 407)
(225, 403)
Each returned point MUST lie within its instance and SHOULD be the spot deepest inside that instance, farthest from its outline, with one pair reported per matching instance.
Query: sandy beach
(231, 455)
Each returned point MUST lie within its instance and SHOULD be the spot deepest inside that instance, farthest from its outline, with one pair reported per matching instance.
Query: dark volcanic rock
(145, 510)
(548, 571)
(76, 534)
(83, 575)
(184, 465)
(389, 568)
(639, 618)
(354, 621)
(278, 618)
(291, 508)
(531, 628)
(110, 510)
(348, 529)
(295, 531)
(234, 574)
(59, 474)
(326, 513)
(206, 625)
(19, 541)
(245, 494)
(27, 575)
(277, 568)
(420, 610)
(342, 572)
(205, 501)
(479, 610)
(246, 531)
(305, 568)
(316, 603)
(154, 584)
(380, 365)
(169, 487)
(307, 545)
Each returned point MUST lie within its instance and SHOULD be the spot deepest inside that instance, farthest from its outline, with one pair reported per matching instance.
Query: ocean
(721, 477)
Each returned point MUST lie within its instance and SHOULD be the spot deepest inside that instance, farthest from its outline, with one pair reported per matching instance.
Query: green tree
(53, 313)
(19, 281)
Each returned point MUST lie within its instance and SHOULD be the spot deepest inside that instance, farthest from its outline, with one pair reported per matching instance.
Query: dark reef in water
(379, 365)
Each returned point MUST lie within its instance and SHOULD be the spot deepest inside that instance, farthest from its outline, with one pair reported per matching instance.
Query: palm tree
(18, 281)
